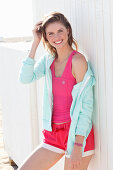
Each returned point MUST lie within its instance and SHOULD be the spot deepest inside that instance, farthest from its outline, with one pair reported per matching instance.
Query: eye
(60, 30)
(50, 33)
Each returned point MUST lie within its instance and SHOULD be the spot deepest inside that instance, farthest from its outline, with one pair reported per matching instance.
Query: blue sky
(16, 18)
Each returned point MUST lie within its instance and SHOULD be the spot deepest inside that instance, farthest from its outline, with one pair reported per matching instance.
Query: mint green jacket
(82, 94)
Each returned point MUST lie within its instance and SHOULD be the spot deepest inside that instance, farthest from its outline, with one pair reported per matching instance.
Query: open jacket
(82, 94)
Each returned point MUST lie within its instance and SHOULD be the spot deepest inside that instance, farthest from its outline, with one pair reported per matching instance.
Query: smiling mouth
(58, 42)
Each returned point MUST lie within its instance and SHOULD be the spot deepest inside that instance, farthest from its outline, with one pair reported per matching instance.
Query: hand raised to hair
(37, 34)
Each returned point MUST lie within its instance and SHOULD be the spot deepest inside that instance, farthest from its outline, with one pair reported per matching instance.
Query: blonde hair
(56, 17)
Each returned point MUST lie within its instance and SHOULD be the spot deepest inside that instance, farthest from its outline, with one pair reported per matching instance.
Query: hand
(37, 34)
(76, 157)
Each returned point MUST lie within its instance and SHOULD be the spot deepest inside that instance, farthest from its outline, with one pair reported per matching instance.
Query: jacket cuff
(80, 132)
(29, 60)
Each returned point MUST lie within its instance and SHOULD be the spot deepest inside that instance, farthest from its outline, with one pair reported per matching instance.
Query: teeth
(58, 42)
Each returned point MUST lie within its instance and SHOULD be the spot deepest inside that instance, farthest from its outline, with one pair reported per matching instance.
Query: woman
(68, 97)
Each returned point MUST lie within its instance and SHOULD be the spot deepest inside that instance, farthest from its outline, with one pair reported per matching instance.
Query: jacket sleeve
(30, 71)
(85, 115)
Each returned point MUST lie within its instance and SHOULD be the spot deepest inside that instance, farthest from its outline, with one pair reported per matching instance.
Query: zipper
(50, 97)
(84, 86)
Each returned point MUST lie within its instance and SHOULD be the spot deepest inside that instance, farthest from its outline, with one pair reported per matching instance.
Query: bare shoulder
(79, 66)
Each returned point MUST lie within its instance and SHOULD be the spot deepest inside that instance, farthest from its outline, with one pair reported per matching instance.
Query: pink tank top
(61, 89)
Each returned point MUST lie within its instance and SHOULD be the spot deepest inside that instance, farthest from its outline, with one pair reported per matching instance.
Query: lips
(58, 42)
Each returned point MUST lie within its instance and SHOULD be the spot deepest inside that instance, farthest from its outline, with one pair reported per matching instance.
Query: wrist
(78, 144)
(36, 42)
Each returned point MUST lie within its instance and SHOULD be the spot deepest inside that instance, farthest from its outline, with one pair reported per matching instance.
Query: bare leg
(83, 166)
(40, 159)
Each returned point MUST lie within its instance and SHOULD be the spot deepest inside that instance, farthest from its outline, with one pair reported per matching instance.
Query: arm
(79, 69)
(85, 117)
(27, 72)
(30, 71)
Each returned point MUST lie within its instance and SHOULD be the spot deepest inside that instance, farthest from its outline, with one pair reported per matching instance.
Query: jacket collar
(90, 73)
(49, 59)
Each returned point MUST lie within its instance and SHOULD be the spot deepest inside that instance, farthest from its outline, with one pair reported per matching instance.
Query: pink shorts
(57, 139)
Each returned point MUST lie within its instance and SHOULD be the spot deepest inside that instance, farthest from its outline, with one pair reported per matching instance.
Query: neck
(63, 53)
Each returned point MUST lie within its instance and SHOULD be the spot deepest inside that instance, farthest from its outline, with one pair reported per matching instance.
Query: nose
(56, 35)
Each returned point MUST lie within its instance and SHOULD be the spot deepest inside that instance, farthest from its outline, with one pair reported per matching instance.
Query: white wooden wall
(92, 24)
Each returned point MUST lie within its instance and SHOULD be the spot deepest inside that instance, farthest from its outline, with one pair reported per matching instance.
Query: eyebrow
(52, 32)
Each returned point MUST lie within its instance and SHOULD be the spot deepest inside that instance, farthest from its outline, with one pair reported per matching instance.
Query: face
(57, 34)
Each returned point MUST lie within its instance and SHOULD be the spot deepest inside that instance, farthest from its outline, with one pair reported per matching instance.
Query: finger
(72, 165)
(79, 163)
(38, 23)
(75, 166)
(36, 28)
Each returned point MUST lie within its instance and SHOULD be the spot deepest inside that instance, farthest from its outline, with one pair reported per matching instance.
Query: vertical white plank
(92, 54)
(111, 18)
(102, 88)
(92, 33)
(67, 9)
(74, 19)
(109, 79)
(85, 25)
(54, 6)
(73, 16)
(111, 21)
(79, 25)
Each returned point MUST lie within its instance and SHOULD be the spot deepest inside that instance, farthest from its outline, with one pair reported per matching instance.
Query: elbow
(24, 80)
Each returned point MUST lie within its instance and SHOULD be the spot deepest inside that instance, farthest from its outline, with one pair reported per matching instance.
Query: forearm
(27, 74)
(33, 49)
(79, 139)
(77, 150)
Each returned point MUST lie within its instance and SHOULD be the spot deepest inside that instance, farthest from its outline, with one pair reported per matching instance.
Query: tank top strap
(68, 69)
(71, 56)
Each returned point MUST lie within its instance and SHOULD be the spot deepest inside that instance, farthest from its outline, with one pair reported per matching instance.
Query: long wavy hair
(56, 17)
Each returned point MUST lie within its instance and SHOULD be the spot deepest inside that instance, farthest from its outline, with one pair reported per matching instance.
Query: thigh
(40, 159)
(83, 166)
